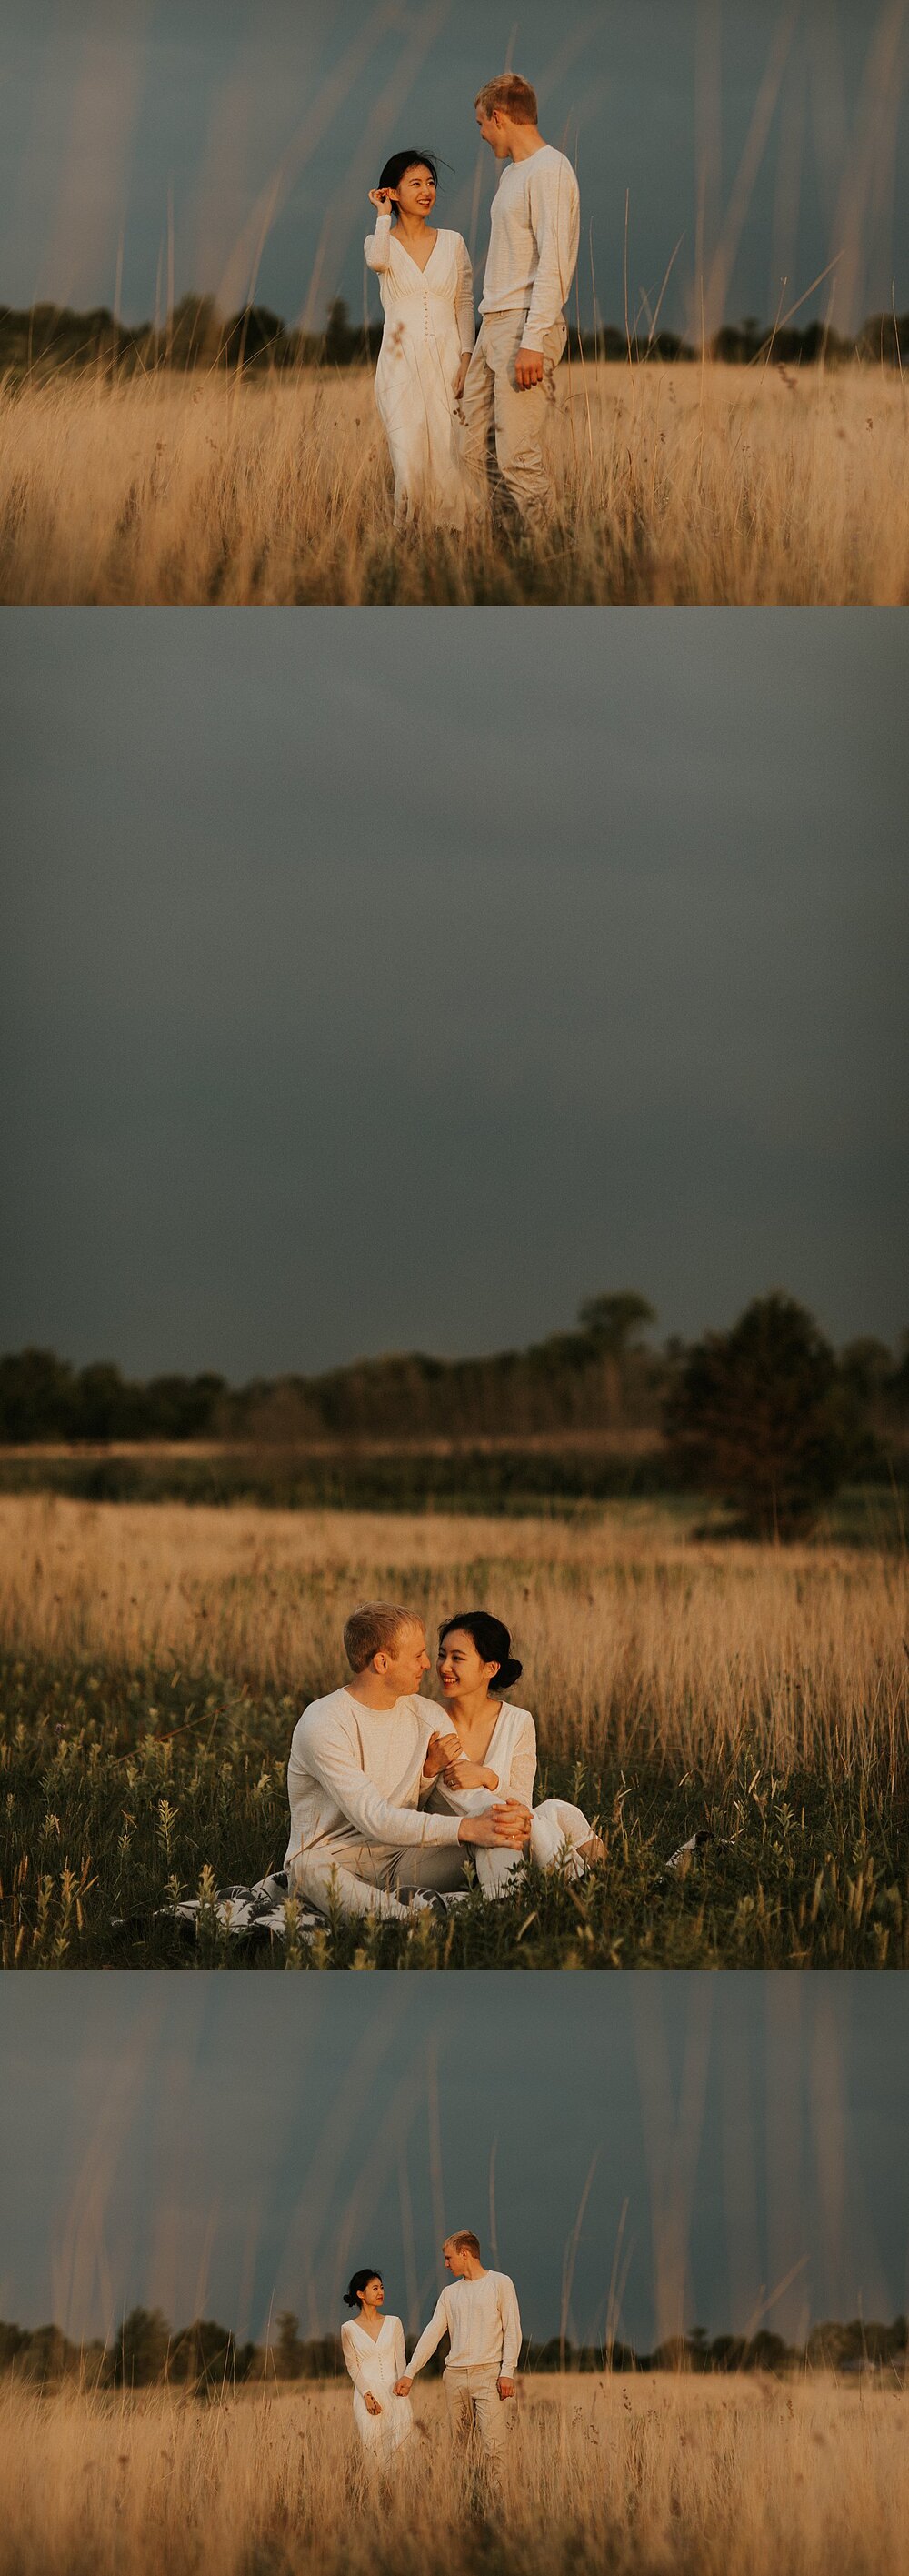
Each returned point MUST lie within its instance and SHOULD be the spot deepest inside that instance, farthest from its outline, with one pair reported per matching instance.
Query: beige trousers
(364, 1878)
(475, 2408)
(494, 410)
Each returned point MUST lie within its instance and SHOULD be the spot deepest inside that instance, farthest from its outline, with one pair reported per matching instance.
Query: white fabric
(512, 1754)
(374, 2367)
(429, 323)
(533, 242)
(483, 2323)
(354, 1776)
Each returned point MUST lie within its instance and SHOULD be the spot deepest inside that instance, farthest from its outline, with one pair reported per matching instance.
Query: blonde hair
(466, 2241)
(512, 95)
(373, 1629)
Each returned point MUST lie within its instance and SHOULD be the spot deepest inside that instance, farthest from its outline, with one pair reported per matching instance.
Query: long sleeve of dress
(376, 245)
(555, 210)
(511, 2327)
(430, 2338)
(328, 1758)
(464, 312)
(358, 2369)
(400, 2350)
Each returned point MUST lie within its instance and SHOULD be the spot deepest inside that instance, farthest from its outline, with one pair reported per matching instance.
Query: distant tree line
(206, 2357)
(196, 335)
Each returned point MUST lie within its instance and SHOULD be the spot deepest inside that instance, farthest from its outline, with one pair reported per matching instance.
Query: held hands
(509, 1825)
(402, 2388)
(468, 1775)
(441, 1752)
(528, 369)
(372, 2405)
(383, 199)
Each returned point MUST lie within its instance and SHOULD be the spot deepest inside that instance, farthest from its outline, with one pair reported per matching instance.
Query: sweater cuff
(442, 1829)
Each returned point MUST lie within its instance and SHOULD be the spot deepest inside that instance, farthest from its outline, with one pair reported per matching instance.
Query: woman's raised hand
(468, 1775)
(383, 199)
(440, 1752)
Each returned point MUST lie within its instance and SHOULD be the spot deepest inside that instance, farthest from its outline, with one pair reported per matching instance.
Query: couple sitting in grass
(388, 1805)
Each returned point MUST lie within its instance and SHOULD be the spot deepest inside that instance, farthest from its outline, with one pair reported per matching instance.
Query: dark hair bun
(401, 162)
(492, 1641)
(358, 2282)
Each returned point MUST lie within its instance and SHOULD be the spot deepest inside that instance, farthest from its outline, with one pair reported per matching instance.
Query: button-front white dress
(558, 1829)
(374, 2366)
(429, 320)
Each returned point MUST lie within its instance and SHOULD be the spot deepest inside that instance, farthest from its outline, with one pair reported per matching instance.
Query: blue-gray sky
(223, 2146)
(375, 983)
(203, 141)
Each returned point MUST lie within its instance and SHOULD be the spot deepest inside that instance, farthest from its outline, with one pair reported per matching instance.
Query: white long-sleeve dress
(374, 2366)
(429, 320)
(512, 1754)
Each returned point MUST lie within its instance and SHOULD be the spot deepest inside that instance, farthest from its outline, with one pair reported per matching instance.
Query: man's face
(454, 2259)
(491, 131)
(408, 1660)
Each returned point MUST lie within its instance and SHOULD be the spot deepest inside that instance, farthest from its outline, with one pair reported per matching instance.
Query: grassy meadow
(155, 1658)
(637, 2477)
(680, 485)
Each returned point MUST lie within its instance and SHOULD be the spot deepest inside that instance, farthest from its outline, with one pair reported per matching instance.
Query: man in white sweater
(479, 2313)
(362, 1763)
(533, 250)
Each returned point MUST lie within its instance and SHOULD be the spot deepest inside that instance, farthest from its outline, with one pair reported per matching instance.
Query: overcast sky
(211, 138)
(219, 2146)
(378, 982)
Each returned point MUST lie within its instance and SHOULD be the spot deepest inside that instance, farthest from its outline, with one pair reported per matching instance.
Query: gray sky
(374, 982)
(769, 132)
(216, 2145)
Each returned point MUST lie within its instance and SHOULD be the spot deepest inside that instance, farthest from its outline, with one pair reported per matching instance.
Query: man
(480, 2316)
(362, 1761)
(533, 249)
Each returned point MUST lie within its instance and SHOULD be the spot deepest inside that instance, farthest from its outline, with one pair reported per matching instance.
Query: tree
(288, 2350)
(340, 338)
(616, 1321)
(763, 1417)
(140, 2353)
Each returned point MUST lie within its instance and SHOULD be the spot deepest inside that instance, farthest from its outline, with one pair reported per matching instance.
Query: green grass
(119, 1789)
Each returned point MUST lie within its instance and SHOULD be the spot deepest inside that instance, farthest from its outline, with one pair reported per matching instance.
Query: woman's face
(460, 1668)
(416, 192)
(373, 2296)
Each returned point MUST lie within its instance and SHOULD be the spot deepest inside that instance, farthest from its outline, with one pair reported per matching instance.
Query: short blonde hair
(465, 2240)
(373, 1629)
(512, 95)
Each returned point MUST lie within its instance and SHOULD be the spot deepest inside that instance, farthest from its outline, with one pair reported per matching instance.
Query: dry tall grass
(677, 486)
(739, 2478)
(632, 1638)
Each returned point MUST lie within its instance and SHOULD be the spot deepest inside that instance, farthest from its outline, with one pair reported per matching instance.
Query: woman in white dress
(427, 298)
(496, 1753)
(373, 2349)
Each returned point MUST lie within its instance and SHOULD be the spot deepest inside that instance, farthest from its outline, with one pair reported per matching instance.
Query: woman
(497, 1752)
(427, 298)
(373, 2349)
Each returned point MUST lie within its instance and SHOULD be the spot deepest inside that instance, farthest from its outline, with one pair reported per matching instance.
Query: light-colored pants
(475, 2407)
(493, 406)
(364, 1878)
(557, 1832)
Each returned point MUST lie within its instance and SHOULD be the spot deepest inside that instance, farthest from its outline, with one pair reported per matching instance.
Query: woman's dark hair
(492, 1641)
(358, 2282)
(394, 170)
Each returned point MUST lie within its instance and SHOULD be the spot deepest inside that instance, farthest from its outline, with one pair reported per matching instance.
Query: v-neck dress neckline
(408, 254)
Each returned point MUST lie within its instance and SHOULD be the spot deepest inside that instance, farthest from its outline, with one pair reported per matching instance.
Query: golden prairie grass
(633, 1638)
(743, 2477)
(750, 487)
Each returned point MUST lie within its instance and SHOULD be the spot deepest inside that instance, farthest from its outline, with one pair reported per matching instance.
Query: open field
(155, 1658)
(638, 2477)
(677, 486)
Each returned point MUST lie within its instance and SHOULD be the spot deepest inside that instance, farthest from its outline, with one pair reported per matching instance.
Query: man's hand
(509, 1825)
(440, 1752)
(528, 369)
(402, 2387)
(372, 2405)
(506, 2387)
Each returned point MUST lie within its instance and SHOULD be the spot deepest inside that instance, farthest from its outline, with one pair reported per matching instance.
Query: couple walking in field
(441, 393)
(479, 2314)
(386, 1804)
